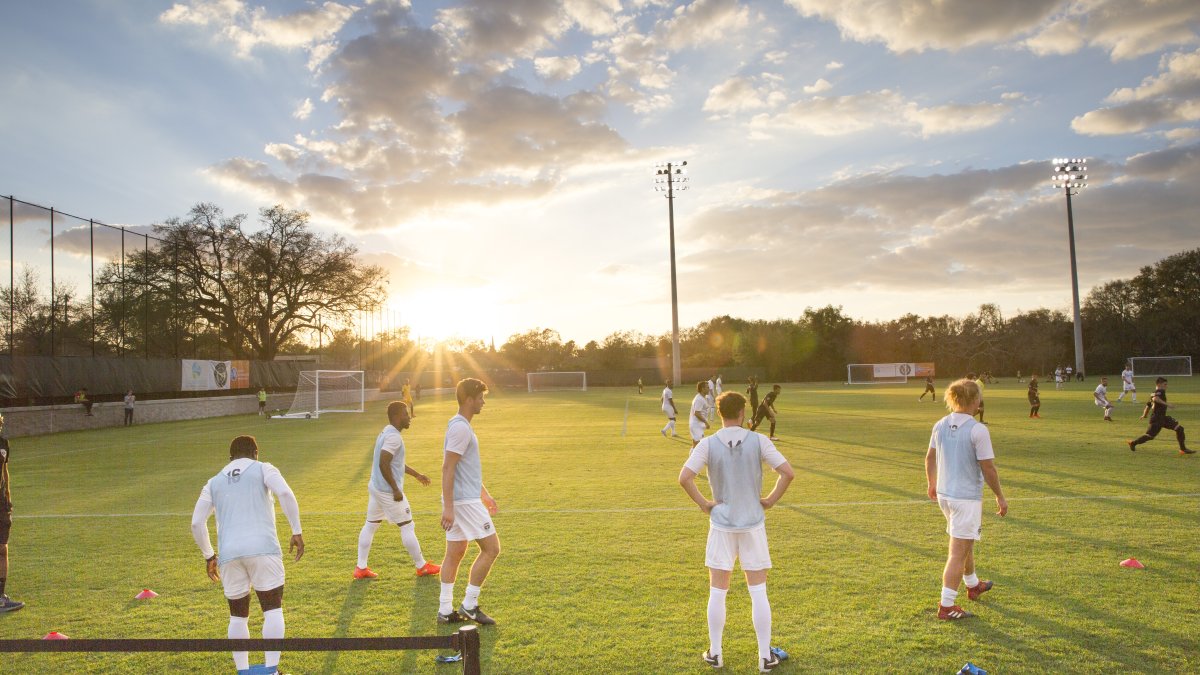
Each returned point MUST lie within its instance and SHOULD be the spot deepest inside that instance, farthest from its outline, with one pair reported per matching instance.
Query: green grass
(602, 563)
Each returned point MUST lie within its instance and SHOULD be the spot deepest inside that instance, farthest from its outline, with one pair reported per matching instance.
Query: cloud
(817, 87)
(303, 110)
(743, 94)
(249, 28)
(834, 65)
(704, 22)
(775, 57)
(1124, 29)
(1171, 97)
(854, 113)
(557, 68)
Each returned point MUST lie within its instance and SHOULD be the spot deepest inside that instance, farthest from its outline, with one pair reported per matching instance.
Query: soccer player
(717, 391)
(1159, 420)
(1101, 397)
(81, 397)
(669, 409)
(929, 390)
(958, 462)
(698, 417)
(130, 399)
(737, 522)
(1035, 401)
(1127, 385)
(1070, 371)
(711, 398)
(466, 509)
(6, 604)
(250, 556)
(1058, 377)
(639, 386)
(978, 380)
(752, 391)
(385, 495)
(407, 397)
(262, 402)
(766, 410)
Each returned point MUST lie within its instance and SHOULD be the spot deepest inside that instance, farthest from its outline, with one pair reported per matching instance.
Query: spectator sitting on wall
(81, 398)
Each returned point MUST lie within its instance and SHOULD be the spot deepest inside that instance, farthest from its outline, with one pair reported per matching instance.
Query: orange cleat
(953, 613)
(975, 591)
(364, 573)
(429, 570)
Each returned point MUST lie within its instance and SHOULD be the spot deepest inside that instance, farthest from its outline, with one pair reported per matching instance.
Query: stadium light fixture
(670, 178)
(1070, 175)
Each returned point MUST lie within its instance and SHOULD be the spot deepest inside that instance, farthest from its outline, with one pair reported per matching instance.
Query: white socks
(239, 628)
(471, 599)
(272, 628)
(949, 595)
(716, 619)
(670, 427)
(364, 541)
(971, 580)
(760, 611)
(446, 598)
(408, 534)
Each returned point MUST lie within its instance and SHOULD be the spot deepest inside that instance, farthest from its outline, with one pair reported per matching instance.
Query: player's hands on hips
(211, 567)
(397, 496)
(297, 545)
(447, 517)
(1002, 505)
(423, 479)
(931, 491)
(766, 503)
(708, 506)
(492, 507)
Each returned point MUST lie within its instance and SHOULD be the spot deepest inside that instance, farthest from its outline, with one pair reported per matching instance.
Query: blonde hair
(961, 394)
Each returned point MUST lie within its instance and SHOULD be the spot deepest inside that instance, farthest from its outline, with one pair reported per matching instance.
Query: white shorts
(750, 548)
(964, 517)
(669, 413)
(1129, 386)
(381, 506)
(260, 572)
(471, 523)
(697, 431)
(1103, 404)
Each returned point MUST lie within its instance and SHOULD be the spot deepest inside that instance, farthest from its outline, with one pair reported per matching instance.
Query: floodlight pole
(1068, 174)
(674, 175)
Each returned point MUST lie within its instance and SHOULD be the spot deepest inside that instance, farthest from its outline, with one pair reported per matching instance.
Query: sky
(498, 157)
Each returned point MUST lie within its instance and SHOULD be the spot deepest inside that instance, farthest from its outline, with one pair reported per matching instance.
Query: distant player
(1035, 400)
(6, 604)
(385, 494)
(1058, 377)
(766, 410)
(262, 402)
(978, 380)
(929, 390)
(639, 386)
(698, 417)
(250, 556)
(737, 522)
(711, 398)
(959, 460)
(406, 395)
(1070, 371)
(1101, 398)
(467, 509)
(718, 390)
(1159, 420)
(752, 392)
(669, 409)
(1127, 385)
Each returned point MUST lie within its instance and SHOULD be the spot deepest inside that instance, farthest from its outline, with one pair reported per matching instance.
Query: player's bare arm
(687, 480)
(210, 566)
(488, 501)
(786, 475)
(988, 467)
(385, 468)
(698, 415)
(297, 545)
(421, 478)
(931, 474)
(449, 461)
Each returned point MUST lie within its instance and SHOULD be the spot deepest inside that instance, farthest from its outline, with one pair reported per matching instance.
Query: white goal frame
(307, 402)
(582, 386)
(1153, 366)
(900, 376)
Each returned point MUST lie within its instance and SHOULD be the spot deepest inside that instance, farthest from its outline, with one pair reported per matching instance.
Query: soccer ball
(308, 416)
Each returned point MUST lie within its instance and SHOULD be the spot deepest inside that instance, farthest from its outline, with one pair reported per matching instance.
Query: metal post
(53, 309)
(12, 338)
(121, 324)
(92, 277)
(146, 290)
(1075, 289)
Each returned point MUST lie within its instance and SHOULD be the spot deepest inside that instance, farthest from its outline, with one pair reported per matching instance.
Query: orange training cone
(1132, 563)
(54, 635)
(146, 594)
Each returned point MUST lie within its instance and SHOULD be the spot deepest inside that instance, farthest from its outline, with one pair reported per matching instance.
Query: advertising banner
(239, 374)
(201, 375)
(886, 370)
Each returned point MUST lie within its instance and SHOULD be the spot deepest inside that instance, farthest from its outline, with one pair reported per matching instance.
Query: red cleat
(975, 591)
(953, 613)
(429, 570)
(364, 573)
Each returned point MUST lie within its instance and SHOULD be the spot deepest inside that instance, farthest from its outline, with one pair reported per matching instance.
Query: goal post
(327, 391)
(886, 373)
(556, 381)
(1161, 366)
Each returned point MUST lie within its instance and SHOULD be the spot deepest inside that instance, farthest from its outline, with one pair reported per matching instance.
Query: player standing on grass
(250, 556)
(262, 402)
(929, 390)
(752, 392)
(1127, 385)
(959, 460)
(669, 409)
(385, 494)
(407, 397)
(466, 509)
(698, 417)
(978, 380)
(766, 409)
(1035, 400)
(711, 398)
(6, 604)
(1159, 420)
(737, 522)
(1101, 397)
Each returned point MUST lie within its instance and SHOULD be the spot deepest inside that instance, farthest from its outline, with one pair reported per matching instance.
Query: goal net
(1161, 366)
(886, 373)
(327, 391)
(565, 381)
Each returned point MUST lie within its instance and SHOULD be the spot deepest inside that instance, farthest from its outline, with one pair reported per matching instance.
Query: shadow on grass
(859, 482)
(862, 533)
(355, 597)
(425, 599)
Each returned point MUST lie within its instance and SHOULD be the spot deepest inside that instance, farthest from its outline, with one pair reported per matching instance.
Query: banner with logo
(239, 374)
(201, 375)
(885, 370)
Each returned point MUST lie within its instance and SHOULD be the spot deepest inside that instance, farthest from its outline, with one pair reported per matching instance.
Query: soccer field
(602, 564)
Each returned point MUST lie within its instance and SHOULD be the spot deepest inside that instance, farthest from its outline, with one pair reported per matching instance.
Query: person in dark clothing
(929, 390)
(6, 604)
(1035, 401)
(752, 392)
(766, 410)
(1159, 420)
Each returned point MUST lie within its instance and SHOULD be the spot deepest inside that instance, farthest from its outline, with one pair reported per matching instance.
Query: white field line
(663, 509)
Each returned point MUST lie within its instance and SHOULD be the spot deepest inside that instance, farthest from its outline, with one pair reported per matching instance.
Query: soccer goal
(557, 381)
(1161, 366)
(327, 391)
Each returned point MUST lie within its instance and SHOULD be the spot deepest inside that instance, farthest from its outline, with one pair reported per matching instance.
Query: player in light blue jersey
(250, 556)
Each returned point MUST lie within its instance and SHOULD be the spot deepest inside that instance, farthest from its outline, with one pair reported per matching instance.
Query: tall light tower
(668, 179)
(1069, 175)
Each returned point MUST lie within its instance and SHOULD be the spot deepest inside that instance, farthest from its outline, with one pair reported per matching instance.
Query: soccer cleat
(768, 664)
(364, 573)
(452, 617)
(477, 616)
(714, 661)
(979, 589)
(783, 656)
(428, 570)
(953, 613)
(774, 438)
(663, 432)
(1132, 446)
(7, 604)
(1107, 419)
(1185, 451)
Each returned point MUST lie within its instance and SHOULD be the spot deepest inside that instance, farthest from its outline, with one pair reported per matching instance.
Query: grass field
(602, 564)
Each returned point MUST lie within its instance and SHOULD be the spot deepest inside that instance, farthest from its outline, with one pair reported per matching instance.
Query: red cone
(146, 594)
(54, 635)
(1132, 563)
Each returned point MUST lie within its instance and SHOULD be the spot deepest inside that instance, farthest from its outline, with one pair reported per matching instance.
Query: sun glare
(434, 315)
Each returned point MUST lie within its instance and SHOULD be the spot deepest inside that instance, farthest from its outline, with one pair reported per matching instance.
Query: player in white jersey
(698, 417)
(1101, 398)
(711, 399)
(737, 530)
(669, 409)
(717, 382)
(385, 494)
(466, 509)
(249, 553)
(959, 460)
(1127, 385)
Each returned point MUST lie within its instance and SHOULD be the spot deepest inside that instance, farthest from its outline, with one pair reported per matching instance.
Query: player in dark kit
(1159, 420)
(752, 392)
(766, 410)
(1035, 401)
(929, 390)
(6, 605)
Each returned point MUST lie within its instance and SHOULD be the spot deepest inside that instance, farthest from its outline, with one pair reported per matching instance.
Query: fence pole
(11, 280)
(468, 644)
(53, 312)
(92, 276)
(146, 291)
